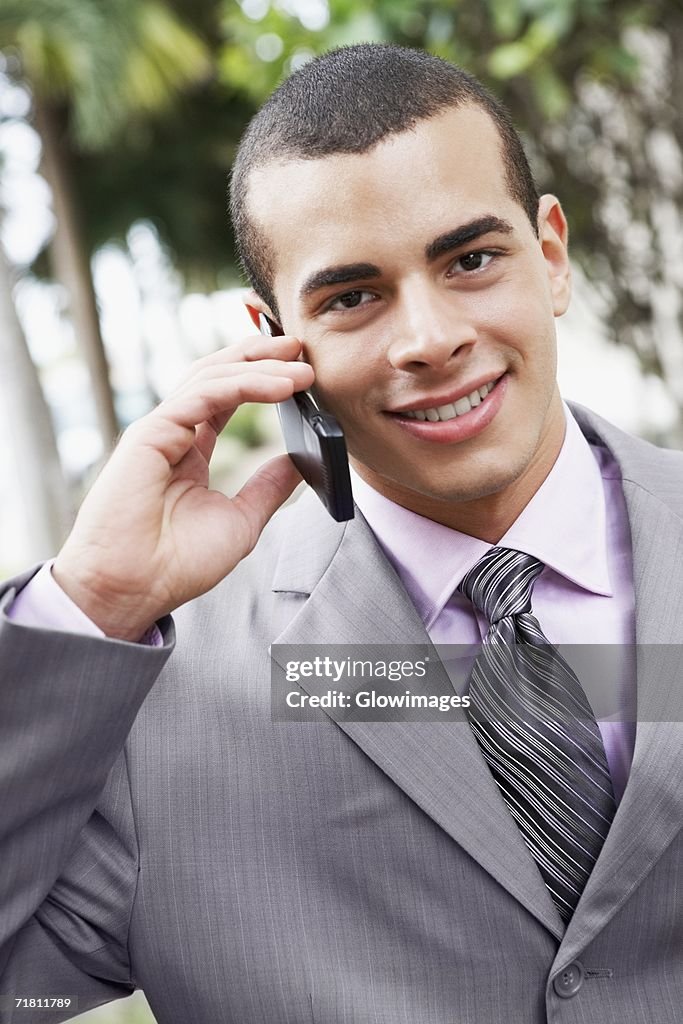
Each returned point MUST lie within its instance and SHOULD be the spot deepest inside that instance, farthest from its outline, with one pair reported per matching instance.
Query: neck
(490, 516)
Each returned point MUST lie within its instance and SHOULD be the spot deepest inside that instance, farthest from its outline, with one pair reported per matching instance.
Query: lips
(459, 427)
(446, 405)
(443, 413)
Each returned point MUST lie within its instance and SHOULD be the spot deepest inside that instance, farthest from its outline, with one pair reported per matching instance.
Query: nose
(431, 328)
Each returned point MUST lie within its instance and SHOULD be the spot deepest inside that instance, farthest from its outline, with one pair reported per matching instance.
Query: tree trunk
(72, 264)
(45, 497)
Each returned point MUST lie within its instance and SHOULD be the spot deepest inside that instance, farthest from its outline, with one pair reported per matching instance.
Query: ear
(255, 306)
(553, 236)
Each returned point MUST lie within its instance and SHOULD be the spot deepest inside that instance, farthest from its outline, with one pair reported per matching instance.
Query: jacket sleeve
(68, 848)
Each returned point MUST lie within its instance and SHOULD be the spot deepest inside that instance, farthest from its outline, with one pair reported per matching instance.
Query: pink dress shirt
(577, 524)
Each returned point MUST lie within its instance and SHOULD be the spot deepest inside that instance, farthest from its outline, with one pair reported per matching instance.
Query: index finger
(258, 346)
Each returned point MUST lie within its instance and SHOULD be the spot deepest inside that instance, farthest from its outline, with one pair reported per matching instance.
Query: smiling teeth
(448, 412)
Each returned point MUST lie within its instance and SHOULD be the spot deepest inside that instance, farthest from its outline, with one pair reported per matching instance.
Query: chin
(483, 484)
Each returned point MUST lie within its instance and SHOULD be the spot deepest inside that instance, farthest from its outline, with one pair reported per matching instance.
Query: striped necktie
(536, 729)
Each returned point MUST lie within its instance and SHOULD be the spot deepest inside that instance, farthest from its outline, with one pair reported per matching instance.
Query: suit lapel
(356, 598)
(651, 811)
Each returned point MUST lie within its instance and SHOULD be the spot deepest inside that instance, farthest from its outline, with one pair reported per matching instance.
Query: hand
(150, 535)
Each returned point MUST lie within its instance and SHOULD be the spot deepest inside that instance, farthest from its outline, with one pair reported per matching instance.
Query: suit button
(568, 982)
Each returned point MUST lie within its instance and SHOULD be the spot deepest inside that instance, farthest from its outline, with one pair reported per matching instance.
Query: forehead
(384, 204)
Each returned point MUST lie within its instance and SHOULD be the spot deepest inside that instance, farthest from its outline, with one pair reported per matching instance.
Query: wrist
(119, 616)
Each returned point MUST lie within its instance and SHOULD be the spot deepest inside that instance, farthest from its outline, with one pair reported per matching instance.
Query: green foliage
(246, 425)
(165, 57)
(141, 144)
(107, 60)
(171, 170)
(257, 53)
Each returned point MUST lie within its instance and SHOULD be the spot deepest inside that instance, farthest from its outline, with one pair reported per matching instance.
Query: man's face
(414, 279)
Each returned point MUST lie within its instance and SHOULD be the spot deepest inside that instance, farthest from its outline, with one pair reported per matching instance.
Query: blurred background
(119, 120)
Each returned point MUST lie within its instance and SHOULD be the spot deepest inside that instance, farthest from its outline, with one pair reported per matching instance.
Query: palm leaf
(109, 59)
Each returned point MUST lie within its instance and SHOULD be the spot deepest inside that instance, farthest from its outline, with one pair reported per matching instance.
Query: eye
(473, 261)
(349, 300)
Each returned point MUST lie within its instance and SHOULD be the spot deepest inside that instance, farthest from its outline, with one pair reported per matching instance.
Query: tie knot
(500, 584)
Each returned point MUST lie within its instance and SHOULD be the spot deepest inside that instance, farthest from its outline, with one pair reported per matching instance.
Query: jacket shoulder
(642, 464)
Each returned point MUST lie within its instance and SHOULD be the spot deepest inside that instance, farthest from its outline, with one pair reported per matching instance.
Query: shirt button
(568, 982)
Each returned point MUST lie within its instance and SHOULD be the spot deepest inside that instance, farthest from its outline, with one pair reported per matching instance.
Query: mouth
(450, 410)
(455, 420)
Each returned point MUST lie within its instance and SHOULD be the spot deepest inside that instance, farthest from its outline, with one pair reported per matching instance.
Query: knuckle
(134, 430)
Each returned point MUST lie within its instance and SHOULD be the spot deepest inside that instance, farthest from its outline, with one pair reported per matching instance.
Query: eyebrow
(338, 275)
(349, 272)
(466, 233)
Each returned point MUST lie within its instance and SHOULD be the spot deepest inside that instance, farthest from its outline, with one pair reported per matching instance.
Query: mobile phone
(315, 443)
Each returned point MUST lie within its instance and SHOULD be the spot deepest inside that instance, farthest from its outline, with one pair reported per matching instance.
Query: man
(159, 830)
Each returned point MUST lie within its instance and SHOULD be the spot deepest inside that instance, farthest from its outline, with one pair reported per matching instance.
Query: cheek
(331, 391)
(344, 384)
(520, 306)
(528, 329)
(514, 320)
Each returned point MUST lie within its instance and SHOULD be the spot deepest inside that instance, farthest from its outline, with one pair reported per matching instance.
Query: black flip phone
(315, 443)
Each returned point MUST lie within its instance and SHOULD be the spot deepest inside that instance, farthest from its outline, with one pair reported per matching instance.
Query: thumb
(265, 491)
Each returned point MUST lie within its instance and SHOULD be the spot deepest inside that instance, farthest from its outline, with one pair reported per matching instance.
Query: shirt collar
(564, 525)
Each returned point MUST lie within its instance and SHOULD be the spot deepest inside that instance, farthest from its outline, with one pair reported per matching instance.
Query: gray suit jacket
(159, 831)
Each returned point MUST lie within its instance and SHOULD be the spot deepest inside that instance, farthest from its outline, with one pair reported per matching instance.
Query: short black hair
(347, 101)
